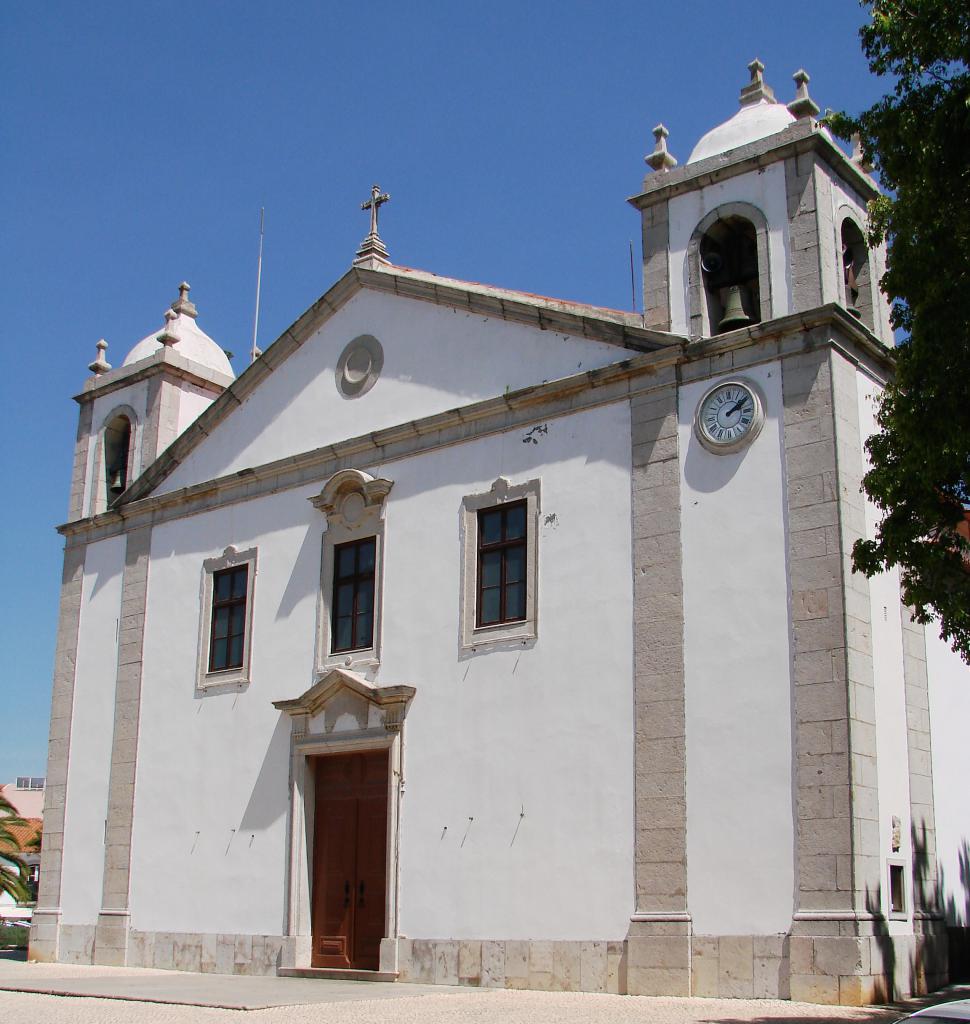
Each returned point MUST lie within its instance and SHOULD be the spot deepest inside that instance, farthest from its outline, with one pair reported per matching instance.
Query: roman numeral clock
(729, 416)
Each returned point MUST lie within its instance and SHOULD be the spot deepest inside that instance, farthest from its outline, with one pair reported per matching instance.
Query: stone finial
(858, 157)
(660, 159)
(169, 335)
(802, 105)
(183, 304)
(757, 89)
(100, 364)
(372, 248)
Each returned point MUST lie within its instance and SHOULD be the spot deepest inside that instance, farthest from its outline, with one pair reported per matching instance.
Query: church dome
(750, 123)
(186, 338)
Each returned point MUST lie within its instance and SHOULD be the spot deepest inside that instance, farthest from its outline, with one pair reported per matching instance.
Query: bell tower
(131, 414)
(766, 218)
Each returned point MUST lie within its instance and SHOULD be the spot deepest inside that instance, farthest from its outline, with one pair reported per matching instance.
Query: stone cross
(377, 199)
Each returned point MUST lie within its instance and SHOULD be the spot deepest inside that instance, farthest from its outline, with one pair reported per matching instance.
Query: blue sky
(140, 140)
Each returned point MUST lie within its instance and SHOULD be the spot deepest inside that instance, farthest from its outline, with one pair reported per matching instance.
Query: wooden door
(350, 860)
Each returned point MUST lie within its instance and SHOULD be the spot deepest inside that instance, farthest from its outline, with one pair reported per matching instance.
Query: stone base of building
(656, 958)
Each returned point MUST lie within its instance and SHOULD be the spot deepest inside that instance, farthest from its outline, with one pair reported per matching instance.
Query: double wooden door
(350, 859)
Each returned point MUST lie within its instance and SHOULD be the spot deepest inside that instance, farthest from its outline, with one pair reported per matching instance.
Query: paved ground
(201, 999)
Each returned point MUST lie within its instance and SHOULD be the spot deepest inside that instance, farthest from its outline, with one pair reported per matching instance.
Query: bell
(117, 484)
(734, 314)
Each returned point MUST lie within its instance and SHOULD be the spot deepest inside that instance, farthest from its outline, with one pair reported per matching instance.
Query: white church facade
(475, 637)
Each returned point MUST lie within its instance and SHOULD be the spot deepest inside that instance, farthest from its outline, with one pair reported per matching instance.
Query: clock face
(728, 416)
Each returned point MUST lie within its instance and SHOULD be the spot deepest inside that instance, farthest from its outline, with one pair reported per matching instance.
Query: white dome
(750, 123)
(193, 344)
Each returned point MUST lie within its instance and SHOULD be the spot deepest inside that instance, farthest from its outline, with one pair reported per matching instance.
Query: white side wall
(892, 747)
(435, 358)
(949, 679)
(192, 403)
(764, 189)
(740, 828)
(91, 732)
(544, 729)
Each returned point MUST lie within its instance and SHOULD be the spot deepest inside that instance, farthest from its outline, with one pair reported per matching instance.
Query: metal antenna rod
(255, 353)
(633, 286)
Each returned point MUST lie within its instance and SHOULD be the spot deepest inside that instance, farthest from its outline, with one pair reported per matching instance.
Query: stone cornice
(640, 373)
(803, 136)
(164, 361)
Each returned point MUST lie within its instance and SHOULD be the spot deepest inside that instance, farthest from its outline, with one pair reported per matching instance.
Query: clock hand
(737, 405)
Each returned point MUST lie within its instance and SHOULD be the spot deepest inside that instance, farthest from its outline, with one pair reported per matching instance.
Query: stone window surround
(355, 382)
(700, 326)
(234, 678)
(501, 492)
(98, 498)
(897, 915)
(354, 504)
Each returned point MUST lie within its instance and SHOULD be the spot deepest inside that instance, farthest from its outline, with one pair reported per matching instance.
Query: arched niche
(728, 249)
(857, 278)
(115, 463)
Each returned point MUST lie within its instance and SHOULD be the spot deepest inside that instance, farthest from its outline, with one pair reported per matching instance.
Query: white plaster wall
(740, 829)
(192, 403)
(208, 844)
(435, 358)
(892, 745)
(764, 189)
(92, 730)
(546, 728)
(949, 679)
(135, 396)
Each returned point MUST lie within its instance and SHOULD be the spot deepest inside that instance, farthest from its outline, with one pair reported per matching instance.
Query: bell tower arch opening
(856, 275)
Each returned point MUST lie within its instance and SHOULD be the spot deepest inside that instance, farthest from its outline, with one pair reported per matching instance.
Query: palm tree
(13, 871)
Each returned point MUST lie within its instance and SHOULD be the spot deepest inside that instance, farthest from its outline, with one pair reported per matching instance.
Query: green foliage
(918, 139)
(13, 871)
(15, 936)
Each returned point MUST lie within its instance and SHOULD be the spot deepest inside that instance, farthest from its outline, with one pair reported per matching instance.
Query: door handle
(347, 893)
(361, 901)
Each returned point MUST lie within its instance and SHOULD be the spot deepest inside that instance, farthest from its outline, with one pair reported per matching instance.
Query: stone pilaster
(803, 232)
(161, 423)
(46, 917)
(837, 846)
(79, 471)
(930, 962)
(656, 267)
(658, 942)
(112, 933)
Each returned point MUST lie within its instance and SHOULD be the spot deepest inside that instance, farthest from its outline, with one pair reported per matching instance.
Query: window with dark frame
(352, 619)
(228, 633)
(501, 564)
(897, 890)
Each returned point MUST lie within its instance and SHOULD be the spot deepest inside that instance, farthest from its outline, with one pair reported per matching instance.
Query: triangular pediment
(340, 682)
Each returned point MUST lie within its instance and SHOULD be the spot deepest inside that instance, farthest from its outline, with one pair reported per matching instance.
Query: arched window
(728, 280)
(729, 265)
(117, 451)
(856, 278)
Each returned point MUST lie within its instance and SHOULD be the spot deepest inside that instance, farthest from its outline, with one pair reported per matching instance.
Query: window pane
(345, 561)
(220, 623)
(515, 564)
(235, 651)
(365, 596)
(223, 585)
(515, 523)
(239, 582)
(237, 620)
(491, 527)
(218, 658)
(344, 604)
(365, 630)
(515, 601)
(342, 634)
(492, 569)
(365, 563)
(490, 605)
